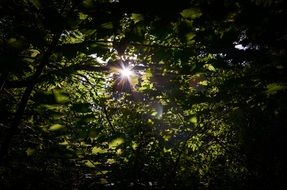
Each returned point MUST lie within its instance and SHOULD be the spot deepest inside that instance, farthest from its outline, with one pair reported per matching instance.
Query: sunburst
(125, 74)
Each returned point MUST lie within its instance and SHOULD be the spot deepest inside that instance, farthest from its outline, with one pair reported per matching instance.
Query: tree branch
(76, 67)
(108, 119)
(24, 100)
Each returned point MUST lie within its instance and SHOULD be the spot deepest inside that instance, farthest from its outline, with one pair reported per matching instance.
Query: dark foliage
(202, 107)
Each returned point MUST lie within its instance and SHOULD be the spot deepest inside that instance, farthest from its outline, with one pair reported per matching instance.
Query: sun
(126, 72)
(124, 75)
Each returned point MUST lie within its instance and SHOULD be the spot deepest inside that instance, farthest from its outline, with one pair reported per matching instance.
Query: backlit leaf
(115, 143)
(56, 127)
(30, 151)
(136, 17)
(191, 13)
(273, 88)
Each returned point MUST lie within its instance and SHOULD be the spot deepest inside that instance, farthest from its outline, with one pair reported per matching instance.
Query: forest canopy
(142, 94)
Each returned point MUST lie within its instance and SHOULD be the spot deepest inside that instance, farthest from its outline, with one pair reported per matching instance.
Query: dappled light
(137, 94)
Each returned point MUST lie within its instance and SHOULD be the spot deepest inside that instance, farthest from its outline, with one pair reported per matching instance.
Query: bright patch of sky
(240, 47)
(99, 59)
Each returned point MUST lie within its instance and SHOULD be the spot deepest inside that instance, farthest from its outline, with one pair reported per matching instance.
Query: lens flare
(126, 72)
(125, 77)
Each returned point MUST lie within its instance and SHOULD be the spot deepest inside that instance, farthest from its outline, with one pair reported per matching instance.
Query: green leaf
(60, 97)
(15, 43)
(101, 172)
(35, 3)
(136, 17)
(154, 113)
(89, 164)
(134, 145)
(116, 142)
(134, 79)
(111, 161)
(98, 150)
(273, 88)
(190, 36)
(150, 122)
(82, 16)
(30, 151)
(56, 127)
(193, 120)
(209, 67)
(34, 52)
(107, 25)
(203, 83)
(88, 3)
(191, 13)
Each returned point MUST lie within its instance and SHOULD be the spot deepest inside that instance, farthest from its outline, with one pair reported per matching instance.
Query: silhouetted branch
(24, 100)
